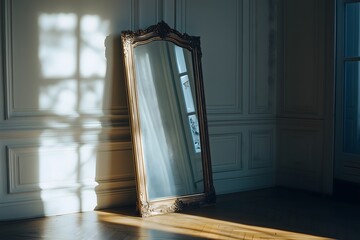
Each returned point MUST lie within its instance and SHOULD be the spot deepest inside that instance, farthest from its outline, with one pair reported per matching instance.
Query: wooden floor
(262, 214)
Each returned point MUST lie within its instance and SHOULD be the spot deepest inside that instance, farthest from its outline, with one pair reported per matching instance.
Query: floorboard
(274, 213)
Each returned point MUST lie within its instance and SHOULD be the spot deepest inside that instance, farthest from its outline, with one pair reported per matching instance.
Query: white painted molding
(7, 57)
(244, 183)
(235, 29)
(267, 83)
(15, 113)
(239, 120)
(21, 180)
(169, 12)
(135, 15)
(35, 208)
(237, 106)
(226, 152)
(89, 134)
(14, 177)
(149, 13)
(159, 12)
(180, 22)
(261, 152)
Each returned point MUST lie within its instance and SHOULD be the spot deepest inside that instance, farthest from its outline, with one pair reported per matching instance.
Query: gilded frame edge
(131, 39)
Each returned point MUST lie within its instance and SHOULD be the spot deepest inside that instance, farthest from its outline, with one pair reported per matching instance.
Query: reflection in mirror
(168, 120)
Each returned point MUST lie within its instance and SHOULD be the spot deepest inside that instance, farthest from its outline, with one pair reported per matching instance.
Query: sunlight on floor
(202, 227)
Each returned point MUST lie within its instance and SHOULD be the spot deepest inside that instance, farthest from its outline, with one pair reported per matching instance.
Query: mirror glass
(168, 120)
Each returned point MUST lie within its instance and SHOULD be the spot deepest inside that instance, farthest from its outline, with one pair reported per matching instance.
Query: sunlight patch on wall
(72, 79)
(67, 171)
(92, 55)
(72, 63)
(91, 95)
(60, 96)
(57, 50)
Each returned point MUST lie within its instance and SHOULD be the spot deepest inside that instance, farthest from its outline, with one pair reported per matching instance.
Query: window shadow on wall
(65, 89)
(81, 88)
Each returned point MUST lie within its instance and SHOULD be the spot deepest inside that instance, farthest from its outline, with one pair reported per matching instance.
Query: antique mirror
(168, 120)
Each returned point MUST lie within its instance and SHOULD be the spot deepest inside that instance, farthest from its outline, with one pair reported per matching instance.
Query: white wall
(64, 134)
(239, 59)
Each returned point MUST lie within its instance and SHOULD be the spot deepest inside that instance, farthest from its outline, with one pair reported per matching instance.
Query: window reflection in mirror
(188, 100)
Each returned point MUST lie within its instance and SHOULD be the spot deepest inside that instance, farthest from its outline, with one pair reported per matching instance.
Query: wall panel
(221, 42)
(226, 152)
(300, 149)
(301, 89)
(148, 13)
(261, 152)
(36, 168)
(64, 137)
(243, 156)
(262, 76)
(239, 59)
(83, 176)
(50, 65)
(302, 161)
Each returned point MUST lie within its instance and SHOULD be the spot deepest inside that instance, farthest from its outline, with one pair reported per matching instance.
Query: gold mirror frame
(130, 40)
